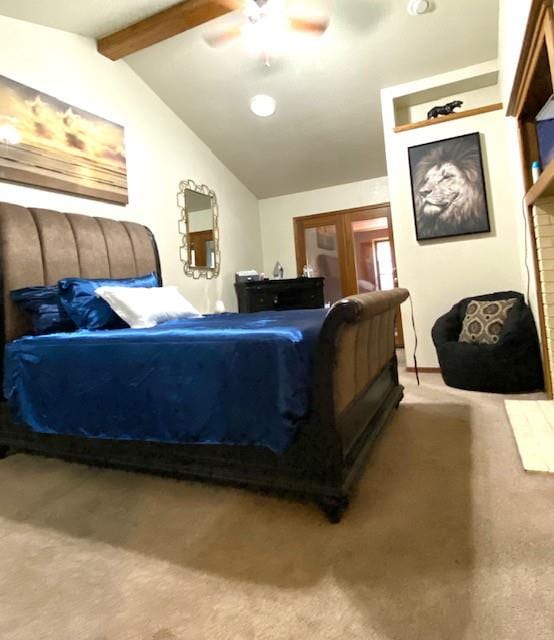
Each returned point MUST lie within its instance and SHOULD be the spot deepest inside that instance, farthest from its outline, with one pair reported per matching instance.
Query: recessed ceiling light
(418, 7)
(263, 106)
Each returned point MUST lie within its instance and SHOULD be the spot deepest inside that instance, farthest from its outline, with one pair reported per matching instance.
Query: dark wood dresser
(280, 295)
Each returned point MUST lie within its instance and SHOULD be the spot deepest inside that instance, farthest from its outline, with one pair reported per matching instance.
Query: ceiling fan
(264, 24)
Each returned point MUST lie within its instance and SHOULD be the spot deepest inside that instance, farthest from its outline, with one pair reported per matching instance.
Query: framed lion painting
(448, 188)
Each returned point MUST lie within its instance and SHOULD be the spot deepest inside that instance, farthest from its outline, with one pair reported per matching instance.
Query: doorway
(352, 249)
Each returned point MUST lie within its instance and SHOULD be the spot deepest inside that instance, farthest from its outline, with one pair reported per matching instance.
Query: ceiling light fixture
(263, 106)
(267, 28)
(418, 7)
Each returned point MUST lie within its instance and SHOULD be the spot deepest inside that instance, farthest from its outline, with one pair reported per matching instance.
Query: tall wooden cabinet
(533, 86)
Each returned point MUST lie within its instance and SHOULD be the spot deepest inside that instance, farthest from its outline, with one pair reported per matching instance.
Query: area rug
(447, 538)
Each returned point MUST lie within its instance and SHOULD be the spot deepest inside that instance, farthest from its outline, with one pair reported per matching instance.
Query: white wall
(441, 272)
(161, 151)
(276, 215)
(512, 23)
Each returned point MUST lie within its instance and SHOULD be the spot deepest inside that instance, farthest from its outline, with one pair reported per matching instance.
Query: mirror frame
(184, 250)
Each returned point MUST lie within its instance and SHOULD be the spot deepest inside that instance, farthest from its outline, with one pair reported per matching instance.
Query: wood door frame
(342, 219)
(318, 220)
(381, 210)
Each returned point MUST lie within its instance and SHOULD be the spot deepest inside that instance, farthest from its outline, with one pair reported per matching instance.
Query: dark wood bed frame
(331, 446)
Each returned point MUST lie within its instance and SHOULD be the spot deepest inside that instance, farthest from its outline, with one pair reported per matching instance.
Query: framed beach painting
(448, 188)
(50, 144)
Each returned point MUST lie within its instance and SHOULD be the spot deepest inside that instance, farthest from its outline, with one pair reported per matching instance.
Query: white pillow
(146, 307)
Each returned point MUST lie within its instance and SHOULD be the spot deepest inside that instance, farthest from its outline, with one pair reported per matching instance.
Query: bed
(353, 379)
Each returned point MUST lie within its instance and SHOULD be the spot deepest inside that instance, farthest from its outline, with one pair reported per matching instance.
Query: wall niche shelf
(478, 88)
(454, 116)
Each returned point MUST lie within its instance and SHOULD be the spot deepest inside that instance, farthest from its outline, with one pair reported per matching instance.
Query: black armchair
(512, 365)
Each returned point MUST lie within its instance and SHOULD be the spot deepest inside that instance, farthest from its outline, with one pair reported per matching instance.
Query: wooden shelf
(453, 116)
(543, 188)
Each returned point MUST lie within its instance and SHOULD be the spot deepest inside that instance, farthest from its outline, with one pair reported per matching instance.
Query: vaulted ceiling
(327, 128)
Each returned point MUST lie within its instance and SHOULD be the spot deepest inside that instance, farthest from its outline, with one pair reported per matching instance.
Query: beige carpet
(448, 538)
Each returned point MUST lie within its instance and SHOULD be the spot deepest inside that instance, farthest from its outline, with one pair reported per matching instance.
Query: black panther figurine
(445, 110)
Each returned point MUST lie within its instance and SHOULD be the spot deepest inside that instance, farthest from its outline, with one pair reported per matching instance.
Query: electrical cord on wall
(416, 369)
(526, 254)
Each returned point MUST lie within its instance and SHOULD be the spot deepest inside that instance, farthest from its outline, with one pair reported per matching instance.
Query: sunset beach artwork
(50, 144)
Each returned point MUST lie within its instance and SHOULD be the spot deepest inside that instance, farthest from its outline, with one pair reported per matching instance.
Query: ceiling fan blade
(313, 26)
(219, 38)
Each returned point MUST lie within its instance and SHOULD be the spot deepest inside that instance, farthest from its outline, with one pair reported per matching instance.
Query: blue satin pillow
(43, 304)
(78, 298)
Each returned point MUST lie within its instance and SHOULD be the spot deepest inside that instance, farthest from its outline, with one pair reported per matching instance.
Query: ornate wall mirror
(198, 226)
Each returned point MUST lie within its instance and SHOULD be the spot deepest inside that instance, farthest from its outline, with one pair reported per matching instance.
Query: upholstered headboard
(40, 247)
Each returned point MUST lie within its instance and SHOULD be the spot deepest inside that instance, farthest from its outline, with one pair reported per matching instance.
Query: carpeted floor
(447, 538)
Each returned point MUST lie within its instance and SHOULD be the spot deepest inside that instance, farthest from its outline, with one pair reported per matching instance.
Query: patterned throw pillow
(484, 320)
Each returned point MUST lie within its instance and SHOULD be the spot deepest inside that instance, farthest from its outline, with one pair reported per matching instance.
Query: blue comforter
(233, 379)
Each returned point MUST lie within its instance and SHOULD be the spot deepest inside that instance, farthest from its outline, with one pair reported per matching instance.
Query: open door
(352, 249)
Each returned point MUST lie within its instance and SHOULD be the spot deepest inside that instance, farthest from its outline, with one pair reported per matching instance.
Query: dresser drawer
(259, 302)
(280, 295)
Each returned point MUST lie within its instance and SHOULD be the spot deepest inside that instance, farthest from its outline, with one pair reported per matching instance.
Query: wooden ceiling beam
(161, 26)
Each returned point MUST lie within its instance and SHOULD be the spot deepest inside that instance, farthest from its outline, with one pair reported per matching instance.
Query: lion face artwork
(448, 188)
